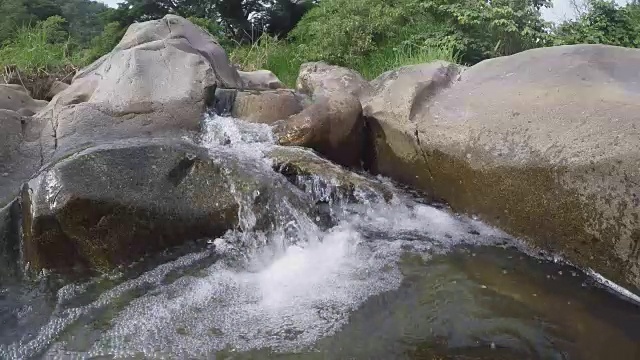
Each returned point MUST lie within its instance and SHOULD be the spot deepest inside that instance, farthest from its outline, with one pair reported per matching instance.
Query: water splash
(282, 286)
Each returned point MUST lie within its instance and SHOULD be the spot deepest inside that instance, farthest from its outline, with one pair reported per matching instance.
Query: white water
(285, 295)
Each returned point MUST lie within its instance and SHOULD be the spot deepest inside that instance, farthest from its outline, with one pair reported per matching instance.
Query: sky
(111, 3)
(561, 9)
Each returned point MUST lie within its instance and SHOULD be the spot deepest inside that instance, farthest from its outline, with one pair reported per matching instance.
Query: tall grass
(38, 49)
(271, 54)
(390, 57)
(284, 59)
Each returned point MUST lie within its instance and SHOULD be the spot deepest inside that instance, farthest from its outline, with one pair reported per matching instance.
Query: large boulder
(260, 80)
(266, 106)
(545, 144)
(159, 79)
(112, 204)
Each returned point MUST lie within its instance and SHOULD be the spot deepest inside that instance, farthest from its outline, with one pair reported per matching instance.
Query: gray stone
(56, 88)
(260, 80)
(19, 152)
(321, 78)
(114, 203)
(158, 80)
(16, 98)
(332, 125)
(544, 144)
(266, 107)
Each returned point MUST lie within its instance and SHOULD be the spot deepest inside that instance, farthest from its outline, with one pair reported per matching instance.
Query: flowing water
(377, 279)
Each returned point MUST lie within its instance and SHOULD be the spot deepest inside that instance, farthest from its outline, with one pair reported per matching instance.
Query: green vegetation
(603, 23)
(53, 38)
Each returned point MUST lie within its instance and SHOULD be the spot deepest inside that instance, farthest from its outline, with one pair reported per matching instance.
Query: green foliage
(480, 30)
(41, 48)
(242, 21)
(389, 58)
(84, 18)
(102, 44)
(284, 60)
(605, 23)
(271, 54)
(341, 31)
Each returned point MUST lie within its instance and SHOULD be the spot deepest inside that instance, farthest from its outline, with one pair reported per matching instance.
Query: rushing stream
(395, 279)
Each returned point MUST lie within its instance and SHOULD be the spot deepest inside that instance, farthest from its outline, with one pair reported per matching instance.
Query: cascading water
(293, 286)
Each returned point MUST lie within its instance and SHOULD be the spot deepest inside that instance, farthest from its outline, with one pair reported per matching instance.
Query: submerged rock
(313, 173)
(543, 144)
(112, 204)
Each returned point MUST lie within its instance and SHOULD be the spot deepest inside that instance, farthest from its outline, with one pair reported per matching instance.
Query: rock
(332, 126)
(260, 80)
(173, 30)
(56, 88)
(158, 80)
(543, 144)
(114, 203)
(266, 106)
(16, 98)
(19, 152)
(311, 172)
(9, 241)
(321, 78)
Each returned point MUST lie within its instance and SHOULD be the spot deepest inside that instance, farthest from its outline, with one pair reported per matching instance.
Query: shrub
(102, 44)
(604, 23)
(342, 31)
(389, 58)
(40, 48)
(271, 54)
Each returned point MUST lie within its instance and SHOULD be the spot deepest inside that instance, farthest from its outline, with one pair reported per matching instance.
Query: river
(398, 279)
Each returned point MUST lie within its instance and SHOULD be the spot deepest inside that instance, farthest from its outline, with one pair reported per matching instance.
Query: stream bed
(397, 279)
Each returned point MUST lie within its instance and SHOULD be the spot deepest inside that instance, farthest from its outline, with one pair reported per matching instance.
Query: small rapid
(286, 287)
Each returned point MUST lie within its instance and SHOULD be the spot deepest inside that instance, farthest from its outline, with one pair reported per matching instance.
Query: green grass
(37, 49)
(389, 58)
(284, 60)
(271, 54)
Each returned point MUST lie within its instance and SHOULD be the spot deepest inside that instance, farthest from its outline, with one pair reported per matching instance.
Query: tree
(340, 31)
(84, 18)
(18, 13)
(604, 23)
(482, 30)
(242, 20)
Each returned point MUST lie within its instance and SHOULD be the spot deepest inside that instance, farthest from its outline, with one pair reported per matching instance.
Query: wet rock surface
(315, 174)
(543, 144)
(112, 204)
